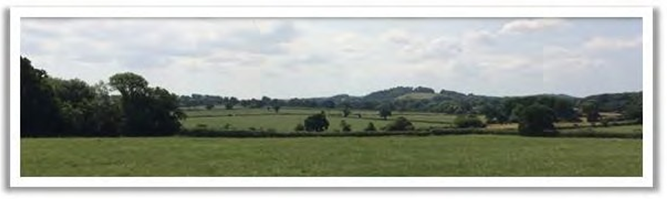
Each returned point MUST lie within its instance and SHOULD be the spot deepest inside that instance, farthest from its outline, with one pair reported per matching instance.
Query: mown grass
(466, 155)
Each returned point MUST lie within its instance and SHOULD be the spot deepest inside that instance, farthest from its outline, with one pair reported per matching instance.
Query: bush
(400, 124)
(345, 126)
(299, 127)
(370, 127)
(469, 121)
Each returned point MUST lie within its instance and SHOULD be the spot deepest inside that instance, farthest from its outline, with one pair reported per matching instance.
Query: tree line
(54, 107)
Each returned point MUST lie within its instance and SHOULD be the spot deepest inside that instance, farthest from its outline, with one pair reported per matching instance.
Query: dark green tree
(633, 111)
(537, 120)
(385, 111)
(346, 111)
(317, 122)
(147, 111)
(40, 114)
(591, 111)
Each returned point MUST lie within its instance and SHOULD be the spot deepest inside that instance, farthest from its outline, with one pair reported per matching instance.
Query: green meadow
(465, 155)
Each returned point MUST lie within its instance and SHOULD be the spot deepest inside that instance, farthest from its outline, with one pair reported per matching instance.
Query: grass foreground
(465, 155)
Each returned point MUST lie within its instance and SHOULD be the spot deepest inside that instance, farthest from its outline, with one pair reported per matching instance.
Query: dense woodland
(56, 107)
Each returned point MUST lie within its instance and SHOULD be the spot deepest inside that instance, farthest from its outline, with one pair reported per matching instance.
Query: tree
(39, 110)
(400, 124)
(370, 127)
(345, 127)
(276, 108)
(233, 101)
(209, 106)
(494, 114)
(147, 111)
(328, 104)
(420, 89)
(74, 98)
(128, 84)
(346, 111)
(515, 114)
(591, 111)
(537, 120)
(317, 122)
(633, 111)
(564, 110)
(385, 111)
(107, 114)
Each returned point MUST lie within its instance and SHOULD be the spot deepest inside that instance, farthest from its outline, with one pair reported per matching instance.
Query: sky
(295, 57)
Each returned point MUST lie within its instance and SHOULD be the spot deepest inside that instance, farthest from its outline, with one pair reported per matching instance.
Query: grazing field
(469, 155)
(286, 119)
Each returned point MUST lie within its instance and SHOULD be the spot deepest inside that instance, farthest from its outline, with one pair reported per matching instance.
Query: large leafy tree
(40, 114)
(385, 111)
(591, 110)
(147, 111)
(317, 122)
(537, 120)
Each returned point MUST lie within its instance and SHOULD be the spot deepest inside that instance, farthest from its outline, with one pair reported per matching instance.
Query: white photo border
(645, 13)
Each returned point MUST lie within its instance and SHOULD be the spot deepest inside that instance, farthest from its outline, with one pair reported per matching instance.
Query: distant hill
(613, 102)
(417, 96)
(426, 99)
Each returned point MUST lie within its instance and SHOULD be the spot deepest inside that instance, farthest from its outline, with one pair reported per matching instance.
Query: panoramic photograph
(320, 97)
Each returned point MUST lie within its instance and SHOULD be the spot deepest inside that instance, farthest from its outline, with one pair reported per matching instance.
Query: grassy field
(288, 118)
(469, 155)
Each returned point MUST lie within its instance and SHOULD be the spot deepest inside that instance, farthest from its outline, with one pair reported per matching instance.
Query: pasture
(466, 155)
(287, 118)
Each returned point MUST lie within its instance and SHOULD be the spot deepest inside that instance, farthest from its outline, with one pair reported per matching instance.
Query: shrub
(469, 121)
(400, 124)
(370, 127)
(299, 127)
(345, 126)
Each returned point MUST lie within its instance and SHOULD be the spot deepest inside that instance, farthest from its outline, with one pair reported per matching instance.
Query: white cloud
(251, 58)
(531, 25)
(610, 43)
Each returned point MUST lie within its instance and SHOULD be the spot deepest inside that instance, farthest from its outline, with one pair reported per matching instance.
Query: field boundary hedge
(431, 132)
